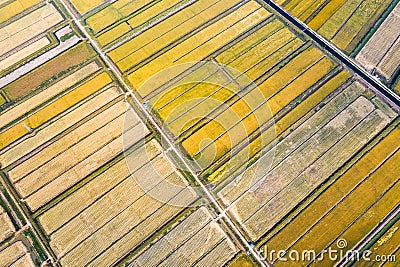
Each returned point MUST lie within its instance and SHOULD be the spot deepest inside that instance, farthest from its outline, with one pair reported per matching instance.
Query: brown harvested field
(20, 31)
(29, 104)
(54, 67)
(43, 135)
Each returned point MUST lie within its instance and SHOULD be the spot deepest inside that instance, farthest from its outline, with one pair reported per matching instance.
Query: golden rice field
(85, 6)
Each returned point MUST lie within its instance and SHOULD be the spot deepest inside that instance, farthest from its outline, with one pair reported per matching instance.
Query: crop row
(259, 145)
(60, 105)
(20, 31)
(195, 239)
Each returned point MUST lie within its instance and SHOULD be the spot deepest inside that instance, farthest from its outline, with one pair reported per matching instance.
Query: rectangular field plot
(48, 173)
(108, 217)
(381, 53)
(343, 22)
(84, 6)
(20, 31)
(303, 160)
(196, 241)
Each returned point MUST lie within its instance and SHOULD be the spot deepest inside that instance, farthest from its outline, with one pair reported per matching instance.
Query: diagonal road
(328, 46)
(206, 192)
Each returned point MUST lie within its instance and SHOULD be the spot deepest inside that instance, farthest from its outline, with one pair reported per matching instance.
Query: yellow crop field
(63, 103)
(2, 100)
(113, 34)
(84, 6)
(151, 12)
(337, 191)
(27, 27)
(15, 7)
(325, 13)
(167, 30)
(32, 80)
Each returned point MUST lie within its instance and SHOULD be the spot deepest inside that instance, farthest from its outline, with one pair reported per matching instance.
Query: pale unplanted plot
(200, 45)
(173, 239)
(133, 239)
(91, 192)
(391, 62)
(61, 145)
(33, 102)
(28, 145)
(12, 253)
(23, 53)
(314, 174)
(7, 228)
(290, 143)
(16, 33)
(59, 164)
(81, 170)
